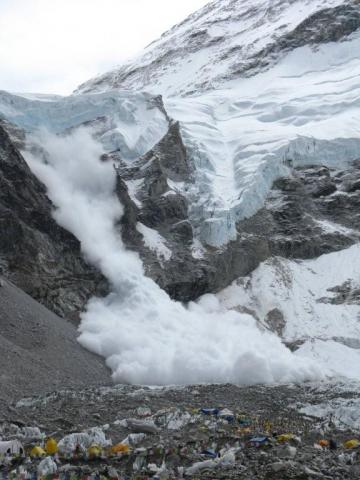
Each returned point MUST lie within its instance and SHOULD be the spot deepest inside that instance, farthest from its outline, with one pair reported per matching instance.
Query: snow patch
(331, 227)
(301, 291)
(134, 186)
(154, 241)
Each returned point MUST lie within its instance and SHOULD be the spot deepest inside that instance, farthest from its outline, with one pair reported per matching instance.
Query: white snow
(197, 249)
(146, 337)
(340, 359)
(178, 63)
(300, 290)
(154, 241)
(242, 134)
(241, 138)
(295, 288)
(342, 404)
(331, 227)
(134, 186)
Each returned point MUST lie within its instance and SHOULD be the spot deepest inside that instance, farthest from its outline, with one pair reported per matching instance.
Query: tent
(37, 452)
(12, 447)
(94, 451)
(51, 446)
(120, 448)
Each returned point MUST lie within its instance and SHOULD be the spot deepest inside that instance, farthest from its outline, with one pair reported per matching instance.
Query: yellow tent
(51, 446)
(94, 451)
(285, 437)
(37, 452)
(352, 443)
(120, 448)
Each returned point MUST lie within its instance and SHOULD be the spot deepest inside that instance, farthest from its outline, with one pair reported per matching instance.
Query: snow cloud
(146, 337)
(52, 47)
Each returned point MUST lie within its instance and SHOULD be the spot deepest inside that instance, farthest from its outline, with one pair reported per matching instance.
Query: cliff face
(36, 254)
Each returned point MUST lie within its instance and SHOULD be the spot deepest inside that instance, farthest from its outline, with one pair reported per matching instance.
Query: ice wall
(244, 136)
(127, 121)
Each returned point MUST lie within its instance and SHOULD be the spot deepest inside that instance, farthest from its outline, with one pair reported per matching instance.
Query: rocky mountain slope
(39, 351)
(36, 254)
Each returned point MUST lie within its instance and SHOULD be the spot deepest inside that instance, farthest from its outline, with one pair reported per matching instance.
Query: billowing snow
(144, 335)
(154, 241)
(344, 361)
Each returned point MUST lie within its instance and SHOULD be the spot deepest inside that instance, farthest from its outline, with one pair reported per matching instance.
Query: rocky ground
(39, 350)
(165, 433)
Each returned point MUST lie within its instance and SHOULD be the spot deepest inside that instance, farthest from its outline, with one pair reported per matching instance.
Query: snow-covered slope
(305, 110)
(314, 304)
(229, 39)
(260, 88)
(268, 82)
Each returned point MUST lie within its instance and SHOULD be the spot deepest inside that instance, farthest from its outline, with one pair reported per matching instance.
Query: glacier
(243, 130)
(131, 122)
(304, 111)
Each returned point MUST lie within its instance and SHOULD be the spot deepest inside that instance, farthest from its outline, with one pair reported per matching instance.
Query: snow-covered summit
(256, 85)
(229, 39)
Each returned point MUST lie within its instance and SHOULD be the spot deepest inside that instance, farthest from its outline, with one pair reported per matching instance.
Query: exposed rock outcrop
(37, 254)
(306, 215)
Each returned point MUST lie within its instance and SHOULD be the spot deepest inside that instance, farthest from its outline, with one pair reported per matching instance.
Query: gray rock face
(39, 351)
(183, 276)
(309, 214)
(163, 210)
(305, 215)
(347, 293)
(40, 257)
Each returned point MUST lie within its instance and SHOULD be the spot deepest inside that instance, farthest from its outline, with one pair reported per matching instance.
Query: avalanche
(145, 336)
(242, 132)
